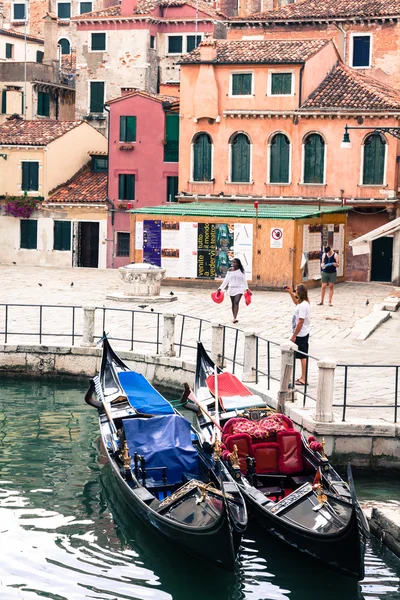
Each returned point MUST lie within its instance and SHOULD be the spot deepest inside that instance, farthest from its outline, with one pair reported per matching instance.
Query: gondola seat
(243, 443)
(230, 425)
(266, 455)
(290, 458)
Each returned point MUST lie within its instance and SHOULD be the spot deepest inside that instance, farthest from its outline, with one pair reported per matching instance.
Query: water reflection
(67, 536)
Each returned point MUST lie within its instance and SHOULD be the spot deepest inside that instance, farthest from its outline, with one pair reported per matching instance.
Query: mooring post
(287, 360)
(325, 387)
(88, 326)
(217, 343)
(168, 343)
(249, 359)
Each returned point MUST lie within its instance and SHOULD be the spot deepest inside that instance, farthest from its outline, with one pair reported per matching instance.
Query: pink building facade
(143, 145)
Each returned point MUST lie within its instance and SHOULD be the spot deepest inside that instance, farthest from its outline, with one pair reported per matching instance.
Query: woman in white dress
(236, 280)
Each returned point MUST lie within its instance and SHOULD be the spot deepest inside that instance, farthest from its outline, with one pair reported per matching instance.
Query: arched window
(65, 46)
(279, 159)
(374, 159)
(240, 158)
(314, 159)
(202, 157)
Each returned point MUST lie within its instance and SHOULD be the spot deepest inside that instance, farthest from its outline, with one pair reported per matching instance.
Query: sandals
(300, 382)
(320, 304)
(235, 321)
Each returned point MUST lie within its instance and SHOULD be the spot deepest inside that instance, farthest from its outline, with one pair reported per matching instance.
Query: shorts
(328, 277)
(302, 345)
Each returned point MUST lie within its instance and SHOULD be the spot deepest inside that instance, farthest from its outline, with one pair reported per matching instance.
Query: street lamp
(346, 143)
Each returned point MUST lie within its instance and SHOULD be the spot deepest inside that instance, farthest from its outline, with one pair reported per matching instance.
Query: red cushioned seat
(290, 458)
(243, 443)
(266, 455)
(228, 427)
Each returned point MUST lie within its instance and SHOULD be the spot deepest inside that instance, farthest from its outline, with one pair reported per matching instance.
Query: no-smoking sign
(276, 237)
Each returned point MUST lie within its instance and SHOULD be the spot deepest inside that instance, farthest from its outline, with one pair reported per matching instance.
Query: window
(192, 41)
(172, 189)
(171, 147)
(97, 42)
(241, 84)
(30, 176)
(39, 56)
(361, 51)
(126, 187)
(202, 152)
(9, 50)
(43, 107)
(314, 159)
(240, 158)
(175, 44)
(123, 243)
(85, 7)
(62, 235)
(374, 160)
(281, 84)
(65, 46)
(96, 96)
(127, 129)
(99, 164)
(4, 102)
(19, 11)
(64, 10)
(152, 41)
(279, 159)
(28, 237)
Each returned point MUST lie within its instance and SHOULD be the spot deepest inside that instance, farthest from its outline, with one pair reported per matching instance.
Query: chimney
(128, 7)
(50, 40)
(208, 49)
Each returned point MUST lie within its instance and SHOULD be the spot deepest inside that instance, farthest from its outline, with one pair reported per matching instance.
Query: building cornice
(317, 114)
(311, 21)
(147, 19)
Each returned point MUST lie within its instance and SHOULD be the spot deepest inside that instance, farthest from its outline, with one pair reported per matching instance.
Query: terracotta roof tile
(85, 187)
(260, 51)
(328, 9)
(68, 62)
(345, 88)
(19, 34)
(17, 132)
(145, 7)
(159, 97)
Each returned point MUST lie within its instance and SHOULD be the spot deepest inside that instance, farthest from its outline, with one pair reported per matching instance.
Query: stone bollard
(217, 343)
(287, 361)
(88, 326)
(326, 378)
(249, 360)
(168, 345)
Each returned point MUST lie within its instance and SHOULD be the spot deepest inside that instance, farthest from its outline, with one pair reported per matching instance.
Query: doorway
(382, 259)
(88, 244)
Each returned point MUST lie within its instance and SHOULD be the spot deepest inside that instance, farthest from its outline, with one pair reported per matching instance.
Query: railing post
(88, 326)
(217, 343)
(250, 357)
(325, 387)
(168, 342)
(287, 361)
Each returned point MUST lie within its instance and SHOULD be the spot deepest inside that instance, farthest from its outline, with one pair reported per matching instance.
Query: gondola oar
(113, 429)
(204, 410)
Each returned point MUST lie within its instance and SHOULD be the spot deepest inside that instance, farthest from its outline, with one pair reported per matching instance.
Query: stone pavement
(333, 335)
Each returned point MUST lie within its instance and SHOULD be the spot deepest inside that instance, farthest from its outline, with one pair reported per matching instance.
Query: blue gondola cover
(164, 442)
(142, 396)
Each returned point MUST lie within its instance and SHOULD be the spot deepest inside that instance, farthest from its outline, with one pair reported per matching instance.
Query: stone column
(217, 343)
(168, 344)
(287, 360)
(88, 326)
(249, 358)
(326, 378)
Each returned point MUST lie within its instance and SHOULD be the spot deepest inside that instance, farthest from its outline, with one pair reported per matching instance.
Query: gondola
(162, 472)
(288, 483)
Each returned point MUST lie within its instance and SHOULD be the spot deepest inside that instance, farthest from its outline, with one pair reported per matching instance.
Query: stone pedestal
(142, 283)
(325, 387)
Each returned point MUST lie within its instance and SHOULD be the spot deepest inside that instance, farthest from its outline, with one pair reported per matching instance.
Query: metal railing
(260, 341)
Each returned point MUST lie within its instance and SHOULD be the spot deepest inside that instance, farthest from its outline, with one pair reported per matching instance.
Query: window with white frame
(19, 11)
(98, 42)
(181, 44)
(361, 50)
(241, 84)
(64, 10)
(85, 7)
(374, 158)
(280, 83)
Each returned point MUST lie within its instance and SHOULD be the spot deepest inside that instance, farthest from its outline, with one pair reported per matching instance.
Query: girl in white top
(301, 327)
(236, 280)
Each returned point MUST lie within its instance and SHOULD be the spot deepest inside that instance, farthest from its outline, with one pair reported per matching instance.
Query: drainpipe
(344, 40)
(110, 202)
(301, 85)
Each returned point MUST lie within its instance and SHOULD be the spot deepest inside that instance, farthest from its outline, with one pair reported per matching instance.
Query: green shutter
(4, 102)
(28, 239)
(30, 176)
(314, 157)
(9, 51)
(281, 84)
(241, 84)
(98, 41)
(127, 129)
(25, 176)
(192, 41)
(172, 188)
(126, 187)
(279, 159)
(171, 148)
(39, 56)
(62, 235)
(96, 96)
(374, 160)
(202, 147)
(43, 108)
(240, 148)
(22, 103)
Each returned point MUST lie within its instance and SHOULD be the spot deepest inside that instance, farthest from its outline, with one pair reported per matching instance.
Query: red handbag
(247, 298)
(218, 296)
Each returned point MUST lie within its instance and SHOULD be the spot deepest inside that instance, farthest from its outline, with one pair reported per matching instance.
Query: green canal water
(64, 536)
